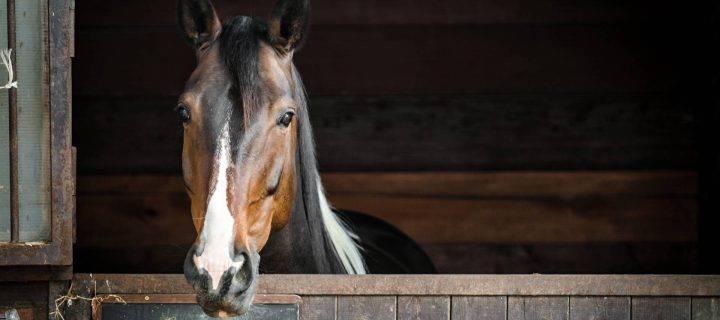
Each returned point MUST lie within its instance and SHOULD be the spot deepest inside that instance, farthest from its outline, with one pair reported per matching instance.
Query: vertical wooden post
(13, 112)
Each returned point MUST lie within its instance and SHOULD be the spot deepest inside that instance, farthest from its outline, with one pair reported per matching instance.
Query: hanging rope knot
(6, 54)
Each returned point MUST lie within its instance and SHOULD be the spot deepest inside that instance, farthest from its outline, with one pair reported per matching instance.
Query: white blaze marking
(217, 233)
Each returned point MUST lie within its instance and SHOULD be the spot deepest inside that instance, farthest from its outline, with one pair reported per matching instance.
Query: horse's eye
(286, 118)
(184, 113)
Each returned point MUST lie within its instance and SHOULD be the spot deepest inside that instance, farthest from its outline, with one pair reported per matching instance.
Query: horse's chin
(230, 307)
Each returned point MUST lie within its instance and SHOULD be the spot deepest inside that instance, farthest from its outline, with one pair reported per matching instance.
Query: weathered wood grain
(487, 132)
(33, 121)
(453, 258)
(134, 206)
(538, 308)
(516, 184)
(367, 307)
(147, 219)
(318, 308)
(412, 59)
(498, 221)
(384, 286)
(705, 309)
(423, 308)
(487, 308)
(600, 308)
(661, 308)
(491, 184)
(572, 258)
(109, 13)
(5, 216)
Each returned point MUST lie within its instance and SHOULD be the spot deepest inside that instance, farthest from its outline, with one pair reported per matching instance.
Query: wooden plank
(508, 184)
(318, 308)
(148, 218)
(498, 221)
(366, 307)
(515, 184)
(135, 219)
(600, 308)
(190, 298)
(661, 308)
(573, 258)
(383, 286)
(33, 121)
(423, 308)
(453, 258)
(416, 59)
(405, 133)
(119, 311)
(140, 209)
(705, 309)
(377, 12)
(5, 234)
(470, 308)
(538, 308)
(492, 184)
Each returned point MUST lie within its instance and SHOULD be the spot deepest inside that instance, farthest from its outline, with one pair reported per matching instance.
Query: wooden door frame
(58, 251)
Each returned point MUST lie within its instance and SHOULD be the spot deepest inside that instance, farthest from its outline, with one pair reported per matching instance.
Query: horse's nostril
(244, 277)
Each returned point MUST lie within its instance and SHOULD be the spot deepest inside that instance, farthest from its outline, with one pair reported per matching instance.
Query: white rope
(7, 62)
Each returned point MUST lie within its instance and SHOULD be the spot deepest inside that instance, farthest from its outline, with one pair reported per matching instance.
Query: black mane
(239, 47)
(304, 240)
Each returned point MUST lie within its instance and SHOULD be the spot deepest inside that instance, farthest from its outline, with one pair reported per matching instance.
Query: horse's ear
(198, 20)
(288, 24)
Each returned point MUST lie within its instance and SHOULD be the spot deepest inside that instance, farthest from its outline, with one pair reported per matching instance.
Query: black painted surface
(193, 312)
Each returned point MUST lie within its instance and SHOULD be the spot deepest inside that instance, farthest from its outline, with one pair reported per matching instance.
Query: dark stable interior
(531, 136)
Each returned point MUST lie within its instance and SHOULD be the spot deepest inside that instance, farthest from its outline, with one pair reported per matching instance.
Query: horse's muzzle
(235, 290)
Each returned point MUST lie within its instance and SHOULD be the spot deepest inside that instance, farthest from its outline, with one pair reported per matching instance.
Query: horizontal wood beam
(521, 207)
(411, 133)
(380, 60)
(378, 12)
(451, 258)
(491, 184)
(463, 285)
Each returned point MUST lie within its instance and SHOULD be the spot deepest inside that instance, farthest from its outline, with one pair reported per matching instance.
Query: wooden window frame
(58, 251)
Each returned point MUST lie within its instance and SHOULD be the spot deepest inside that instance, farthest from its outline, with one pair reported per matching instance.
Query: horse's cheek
(284, 200)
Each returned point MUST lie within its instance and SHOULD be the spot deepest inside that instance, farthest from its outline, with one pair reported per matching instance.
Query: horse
(250, 171)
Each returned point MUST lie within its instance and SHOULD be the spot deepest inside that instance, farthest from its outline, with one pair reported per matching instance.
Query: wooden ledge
(467, 285)
(189, 298)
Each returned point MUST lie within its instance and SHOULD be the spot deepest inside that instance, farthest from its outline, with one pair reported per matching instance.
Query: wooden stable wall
(443, 297)
(554, 136)
(570, 222)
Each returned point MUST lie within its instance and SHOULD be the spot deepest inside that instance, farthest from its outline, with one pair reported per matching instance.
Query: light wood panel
(318, 308)
(367, 307)
(661, 308)
(423, 308)
(600, 308)
(4, 136)
(471, 308)
(33, 127)
(706, 308)
(538, 308)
